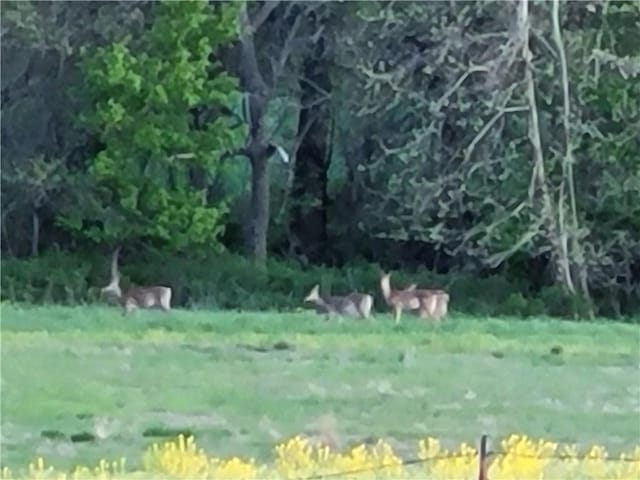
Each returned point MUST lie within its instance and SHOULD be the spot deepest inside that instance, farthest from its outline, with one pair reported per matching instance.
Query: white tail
(136, 297)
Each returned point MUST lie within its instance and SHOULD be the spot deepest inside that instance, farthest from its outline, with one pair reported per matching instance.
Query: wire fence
(483, 457)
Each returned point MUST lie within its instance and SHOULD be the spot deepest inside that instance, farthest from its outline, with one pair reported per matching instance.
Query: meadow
(84, 383)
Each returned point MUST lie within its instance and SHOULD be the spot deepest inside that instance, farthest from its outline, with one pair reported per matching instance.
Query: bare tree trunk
(35, 233)
(259, 147)
(554, 233)
(259, 207)
(576, 252)
(6, 242)
(256, 148)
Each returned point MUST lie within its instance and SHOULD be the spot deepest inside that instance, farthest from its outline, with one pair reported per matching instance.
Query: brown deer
(136, 297)
(354, 304)
(430, 303)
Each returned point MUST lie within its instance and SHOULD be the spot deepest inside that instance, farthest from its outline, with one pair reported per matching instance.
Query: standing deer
(354, 304)
(136, 297)
(430, 303)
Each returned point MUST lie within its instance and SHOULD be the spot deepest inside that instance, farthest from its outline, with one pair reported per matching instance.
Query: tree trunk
(553, 232)
(309, 198)
(35, 233)
(259, 207)
(579, 268)
(6, 242)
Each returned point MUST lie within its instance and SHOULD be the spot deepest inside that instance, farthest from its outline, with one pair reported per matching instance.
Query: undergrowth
(225, 281)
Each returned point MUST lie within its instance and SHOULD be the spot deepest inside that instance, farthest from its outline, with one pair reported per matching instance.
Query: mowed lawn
(241, 382)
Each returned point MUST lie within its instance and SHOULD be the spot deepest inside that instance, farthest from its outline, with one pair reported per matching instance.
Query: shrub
(228, 281)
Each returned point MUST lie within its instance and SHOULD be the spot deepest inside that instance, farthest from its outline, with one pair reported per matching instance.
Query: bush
(227, 281)
(560, 303)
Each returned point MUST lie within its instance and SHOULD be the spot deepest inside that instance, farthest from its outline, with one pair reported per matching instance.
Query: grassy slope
(89, 369)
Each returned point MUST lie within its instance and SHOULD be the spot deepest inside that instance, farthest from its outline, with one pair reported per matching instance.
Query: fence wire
(490, 456)
(357, 471)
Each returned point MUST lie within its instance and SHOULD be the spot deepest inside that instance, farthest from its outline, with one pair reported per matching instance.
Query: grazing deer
(354, 304)
(136, 297)
(429, 303)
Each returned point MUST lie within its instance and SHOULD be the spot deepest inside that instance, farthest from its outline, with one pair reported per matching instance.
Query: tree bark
(256, 148)
(259, 207)
(35, 233)
(576, 251)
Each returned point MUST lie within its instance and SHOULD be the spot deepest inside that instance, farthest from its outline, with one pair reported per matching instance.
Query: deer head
(314, 294)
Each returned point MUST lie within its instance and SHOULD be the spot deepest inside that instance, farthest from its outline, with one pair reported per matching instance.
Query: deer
(136, 296)
(430, 303)
(354, 304)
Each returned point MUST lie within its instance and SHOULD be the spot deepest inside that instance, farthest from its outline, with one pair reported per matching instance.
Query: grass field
(241, 382)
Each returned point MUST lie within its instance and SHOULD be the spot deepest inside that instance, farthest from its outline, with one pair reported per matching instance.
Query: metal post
(482, 458)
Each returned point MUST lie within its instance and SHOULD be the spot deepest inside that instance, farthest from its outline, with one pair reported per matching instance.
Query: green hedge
(233, 282)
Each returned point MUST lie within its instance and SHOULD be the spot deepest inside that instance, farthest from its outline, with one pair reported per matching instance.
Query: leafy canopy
(153, 178)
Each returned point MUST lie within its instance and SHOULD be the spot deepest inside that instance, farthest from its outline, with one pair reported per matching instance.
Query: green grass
(242, 381)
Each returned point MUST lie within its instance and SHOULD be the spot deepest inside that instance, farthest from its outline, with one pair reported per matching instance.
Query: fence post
(482, 458)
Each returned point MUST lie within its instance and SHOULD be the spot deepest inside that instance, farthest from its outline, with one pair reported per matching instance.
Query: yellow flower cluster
(518, 457)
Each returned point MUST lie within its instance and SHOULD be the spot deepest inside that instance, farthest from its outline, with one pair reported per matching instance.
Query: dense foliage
(160, 153)
(473, 139)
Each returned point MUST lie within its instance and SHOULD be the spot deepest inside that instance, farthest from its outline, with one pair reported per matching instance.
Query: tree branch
(262, 15)
(554, 237)
(485, 129)
(250, 74)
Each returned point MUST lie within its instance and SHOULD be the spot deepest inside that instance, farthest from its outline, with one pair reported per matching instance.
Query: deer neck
(114, 289)
(385, 287)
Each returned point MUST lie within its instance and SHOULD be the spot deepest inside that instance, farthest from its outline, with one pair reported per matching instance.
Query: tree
(159, 158)
(603, 71)
(432, 96)
(41, 145)
(309, 199)
(275, 38)
(454, 118)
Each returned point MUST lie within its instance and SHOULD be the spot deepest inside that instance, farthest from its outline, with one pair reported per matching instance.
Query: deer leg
(433, 309)
(397, 312)
(128, 308)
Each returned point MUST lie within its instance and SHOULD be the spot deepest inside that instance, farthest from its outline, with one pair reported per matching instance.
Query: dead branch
(485, 129)
(261, 16)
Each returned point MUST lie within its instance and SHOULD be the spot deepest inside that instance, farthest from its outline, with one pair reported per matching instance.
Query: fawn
(354, 304)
